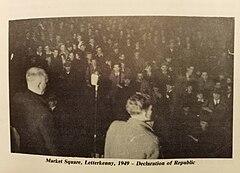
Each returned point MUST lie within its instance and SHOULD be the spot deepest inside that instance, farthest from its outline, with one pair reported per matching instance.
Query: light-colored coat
(133, 139)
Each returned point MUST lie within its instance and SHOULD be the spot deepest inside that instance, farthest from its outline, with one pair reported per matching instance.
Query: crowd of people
(184, 64)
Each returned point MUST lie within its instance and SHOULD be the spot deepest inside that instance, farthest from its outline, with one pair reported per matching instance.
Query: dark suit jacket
(32, 119)
(219, 112)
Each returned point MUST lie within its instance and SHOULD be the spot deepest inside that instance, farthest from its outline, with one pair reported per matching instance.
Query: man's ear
(147, 115)
(39, 85)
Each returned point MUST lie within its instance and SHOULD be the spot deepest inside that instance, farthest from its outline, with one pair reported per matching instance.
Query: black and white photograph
(122, 87)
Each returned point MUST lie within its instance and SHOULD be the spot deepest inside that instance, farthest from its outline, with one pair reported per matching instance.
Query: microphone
(94, 79)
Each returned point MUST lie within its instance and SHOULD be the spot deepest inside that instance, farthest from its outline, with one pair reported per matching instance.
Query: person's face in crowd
(115, 44)
(82, 29)
(83, 47)
(136, 54)
(108, 28)
(168, 59)
(52, 103)
(77, 56)
(204, 75)
(139, 76)
(89, 25)
(55, 53)
(163, 39)
(89, 31)
(109, 63)
(203, 125)
(144, 37)
(116, 68)
(164, 68)
(50, 36)
(200, 96)
(33, 60)
(28, 35)
(148, 67)
(178, 39)
(48, 59)
(229, 89)
(69, 48)
(39, 49)
(111, 36)
(62, 48)
(127, 82)
(171, 45)
(149, 36)
(79, 38)
(229, 80)
(47, 49)
(94, 62)
(198, 73)
(188, 46)
(116, 50)
(190, 70)
(189, 89)
(63, 56)
(58, 38)
(104, 38)
(122, 65)
(71, 56)
(71, 26)
(74, 46)
(91, 41)
(156, 32)
(187, 39)
(97, 32)
(199, 34)
(42, 36)
(120, 26)
(218, 85)
(74, 36)
(34, 37)
(170, 69)
(99, 50)
(221, 77)
(68, 69)
(155, 90)
(186, 109)
(109, 41)
(121, 33)
(216, 96)
(89, 56)
(128, 42)
(169, 87)
(137, 44)
(30, 51)
(122, 57)
(99, 26)
(61, 24)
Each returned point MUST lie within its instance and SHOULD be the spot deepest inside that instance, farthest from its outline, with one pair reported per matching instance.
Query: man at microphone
(133, 139)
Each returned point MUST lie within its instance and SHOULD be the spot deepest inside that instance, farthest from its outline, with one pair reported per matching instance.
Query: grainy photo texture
(134, 87)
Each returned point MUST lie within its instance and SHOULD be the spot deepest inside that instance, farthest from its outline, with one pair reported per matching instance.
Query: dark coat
(32, 119)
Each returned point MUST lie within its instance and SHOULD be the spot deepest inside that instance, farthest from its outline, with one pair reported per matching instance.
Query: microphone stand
(95, 122)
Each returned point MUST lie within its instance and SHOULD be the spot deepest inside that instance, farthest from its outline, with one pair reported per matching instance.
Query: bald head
(36, 80)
